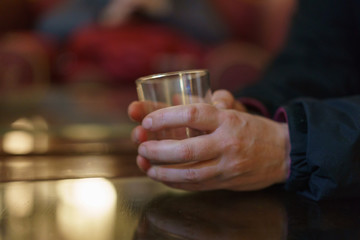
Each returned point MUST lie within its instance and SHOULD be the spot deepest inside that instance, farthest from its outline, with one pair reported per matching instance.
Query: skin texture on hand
(238, 151)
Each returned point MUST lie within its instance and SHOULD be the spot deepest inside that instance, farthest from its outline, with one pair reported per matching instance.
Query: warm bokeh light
(19, 199)
(28, 136)
(87, 132)
(18, 142)
(23, 123)
(92, 195)
(41, 134)
(41, 142)
(86, 209)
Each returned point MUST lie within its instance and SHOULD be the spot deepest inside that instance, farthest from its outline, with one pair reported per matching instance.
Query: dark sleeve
(313, 79)
(325, 147)
(320, 58)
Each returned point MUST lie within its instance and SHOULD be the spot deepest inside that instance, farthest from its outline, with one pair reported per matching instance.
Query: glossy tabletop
(124, 204)
(68, 172)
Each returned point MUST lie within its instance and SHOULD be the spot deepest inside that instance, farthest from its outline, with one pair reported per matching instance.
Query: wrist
(286, 154)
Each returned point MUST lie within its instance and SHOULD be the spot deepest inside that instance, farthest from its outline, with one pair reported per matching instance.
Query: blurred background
(68, 67)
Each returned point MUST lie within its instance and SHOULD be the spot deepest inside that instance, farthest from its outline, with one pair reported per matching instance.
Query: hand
(221, 99)
(239, 152)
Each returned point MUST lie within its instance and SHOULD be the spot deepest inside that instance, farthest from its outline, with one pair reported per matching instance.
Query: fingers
(199, 148)
(193, 173)
(137, 110)
(246, 182)
(139, 135)
(242, 182)
(203, 117)
(213, 184)
(143, 163)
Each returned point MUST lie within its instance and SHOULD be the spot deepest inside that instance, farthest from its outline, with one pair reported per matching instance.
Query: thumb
(223, 99)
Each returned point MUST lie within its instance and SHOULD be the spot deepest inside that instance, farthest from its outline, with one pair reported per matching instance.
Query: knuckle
(233, 118)
(192, 114)
(232, 144)
(161, 119)
(187, 153)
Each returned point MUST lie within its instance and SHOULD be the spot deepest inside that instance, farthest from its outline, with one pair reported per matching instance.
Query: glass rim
(170, 74)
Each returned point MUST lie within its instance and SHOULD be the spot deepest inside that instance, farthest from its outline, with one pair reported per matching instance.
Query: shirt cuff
(280, 115)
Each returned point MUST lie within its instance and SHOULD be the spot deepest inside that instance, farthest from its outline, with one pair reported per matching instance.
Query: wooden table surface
(108, 198)
(68, 172)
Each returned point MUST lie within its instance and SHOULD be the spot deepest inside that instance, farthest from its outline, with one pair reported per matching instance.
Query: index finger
(203, 117)
(137, 110)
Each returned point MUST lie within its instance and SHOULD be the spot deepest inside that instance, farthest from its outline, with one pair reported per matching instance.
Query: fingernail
(142, 163)
(135, 137)
(142, 150)
(147, 123)
(151, 172)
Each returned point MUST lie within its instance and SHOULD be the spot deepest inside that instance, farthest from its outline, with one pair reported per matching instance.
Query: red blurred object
(242, 17)
(25, 61)
(129, 52)
(263, 23)
(42, 6)
(259, 29)
(121, 54)
(275, 21)
(15, 15)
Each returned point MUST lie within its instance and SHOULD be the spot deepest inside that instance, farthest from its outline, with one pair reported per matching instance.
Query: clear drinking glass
(174, 88)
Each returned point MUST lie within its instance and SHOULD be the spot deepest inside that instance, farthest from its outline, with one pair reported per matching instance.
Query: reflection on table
(213, 215)
(94, 208)
(68, 172)
(47, 167)
(139, 208)
(70, 120)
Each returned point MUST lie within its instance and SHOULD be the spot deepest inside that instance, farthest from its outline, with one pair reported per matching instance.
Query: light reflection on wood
(29, 168)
